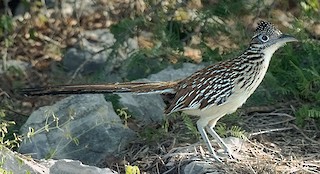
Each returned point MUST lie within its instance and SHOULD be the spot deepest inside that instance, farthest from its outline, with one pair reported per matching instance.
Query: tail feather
(134, 87)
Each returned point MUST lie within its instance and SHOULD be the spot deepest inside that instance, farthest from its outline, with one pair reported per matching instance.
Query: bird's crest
(266, 28)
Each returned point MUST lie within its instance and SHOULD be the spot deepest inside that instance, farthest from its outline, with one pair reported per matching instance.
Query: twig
(269, 131)
(50, 40)
(157, 168)
(274, 114)
(168, 171)
(141, 150)
(264, 147)
(2, 92)
(279, 122)
(303, 134)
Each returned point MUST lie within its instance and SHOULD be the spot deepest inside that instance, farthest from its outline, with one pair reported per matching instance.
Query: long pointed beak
(284, 38)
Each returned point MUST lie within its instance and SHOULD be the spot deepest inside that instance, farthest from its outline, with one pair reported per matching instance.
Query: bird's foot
(229, 152)
(216, 157)
(226, 153)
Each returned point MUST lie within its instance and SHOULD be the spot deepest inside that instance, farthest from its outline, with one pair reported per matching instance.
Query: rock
(95, 53)
(69, 7)
(202, 167)
(146, 108)
(80, 127)
(149, 108)
(171, 74)
(74, 167)
(192, 160)
(19, 164)
(89, 56)
(74, 58)
(16, 163)
(127, 48)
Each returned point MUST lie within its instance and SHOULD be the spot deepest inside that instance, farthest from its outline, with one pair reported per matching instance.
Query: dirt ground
(275, 145)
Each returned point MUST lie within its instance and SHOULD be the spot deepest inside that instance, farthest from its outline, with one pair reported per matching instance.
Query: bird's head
(269, 37)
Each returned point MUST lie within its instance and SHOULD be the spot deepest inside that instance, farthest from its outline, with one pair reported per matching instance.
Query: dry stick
(312, 165)
(272, 124)
(262, 146)
(316, 129)
(141, 149)
(4, 93)
(274, 114)
(161, 160)
(291, 118)
(48, 39)
(279, 122)
(118, 168)
(173, 143)
(270, 108)
(269, 131)
(310, 168)
(168, 171)
(304, 135)
(251, 168)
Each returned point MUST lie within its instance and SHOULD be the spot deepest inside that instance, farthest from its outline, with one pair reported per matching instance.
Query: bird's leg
(204, 136)
(214, 134)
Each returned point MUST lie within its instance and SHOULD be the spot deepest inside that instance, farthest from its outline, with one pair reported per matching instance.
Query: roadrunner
(209, 93)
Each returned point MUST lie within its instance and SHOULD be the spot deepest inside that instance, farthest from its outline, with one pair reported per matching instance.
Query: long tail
(134, 87)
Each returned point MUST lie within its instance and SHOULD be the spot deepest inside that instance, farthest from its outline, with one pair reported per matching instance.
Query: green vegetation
(234, 131)
(294, 73)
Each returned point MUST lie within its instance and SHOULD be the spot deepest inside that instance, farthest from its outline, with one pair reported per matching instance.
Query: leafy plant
(152, 134)
(4, 141)
(234, 131)
(132, 169)
(306, 113)
(190, 125)
(123, 113)
(6, 24)
(310, 7)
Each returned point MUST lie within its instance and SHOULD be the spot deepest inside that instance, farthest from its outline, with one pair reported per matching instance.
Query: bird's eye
(264, 38)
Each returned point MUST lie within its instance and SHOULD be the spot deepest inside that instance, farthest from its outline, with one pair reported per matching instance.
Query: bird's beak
(284, 38)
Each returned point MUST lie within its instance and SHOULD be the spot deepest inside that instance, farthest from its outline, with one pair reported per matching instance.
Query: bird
(210, 93)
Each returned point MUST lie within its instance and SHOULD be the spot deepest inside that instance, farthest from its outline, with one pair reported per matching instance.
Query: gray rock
(122, 53)
(95, 50)
(149, 108)
(81, 127)
(75, 58)
(69, 7)
(191, 161)
(146, 108)
(200, 167)
(65, 166)
(89, 57)
(171, 74)
(18, 164)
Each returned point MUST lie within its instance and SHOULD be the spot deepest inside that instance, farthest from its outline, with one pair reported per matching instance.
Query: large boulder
(13, 162)
(74, 167)
(80, 127)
